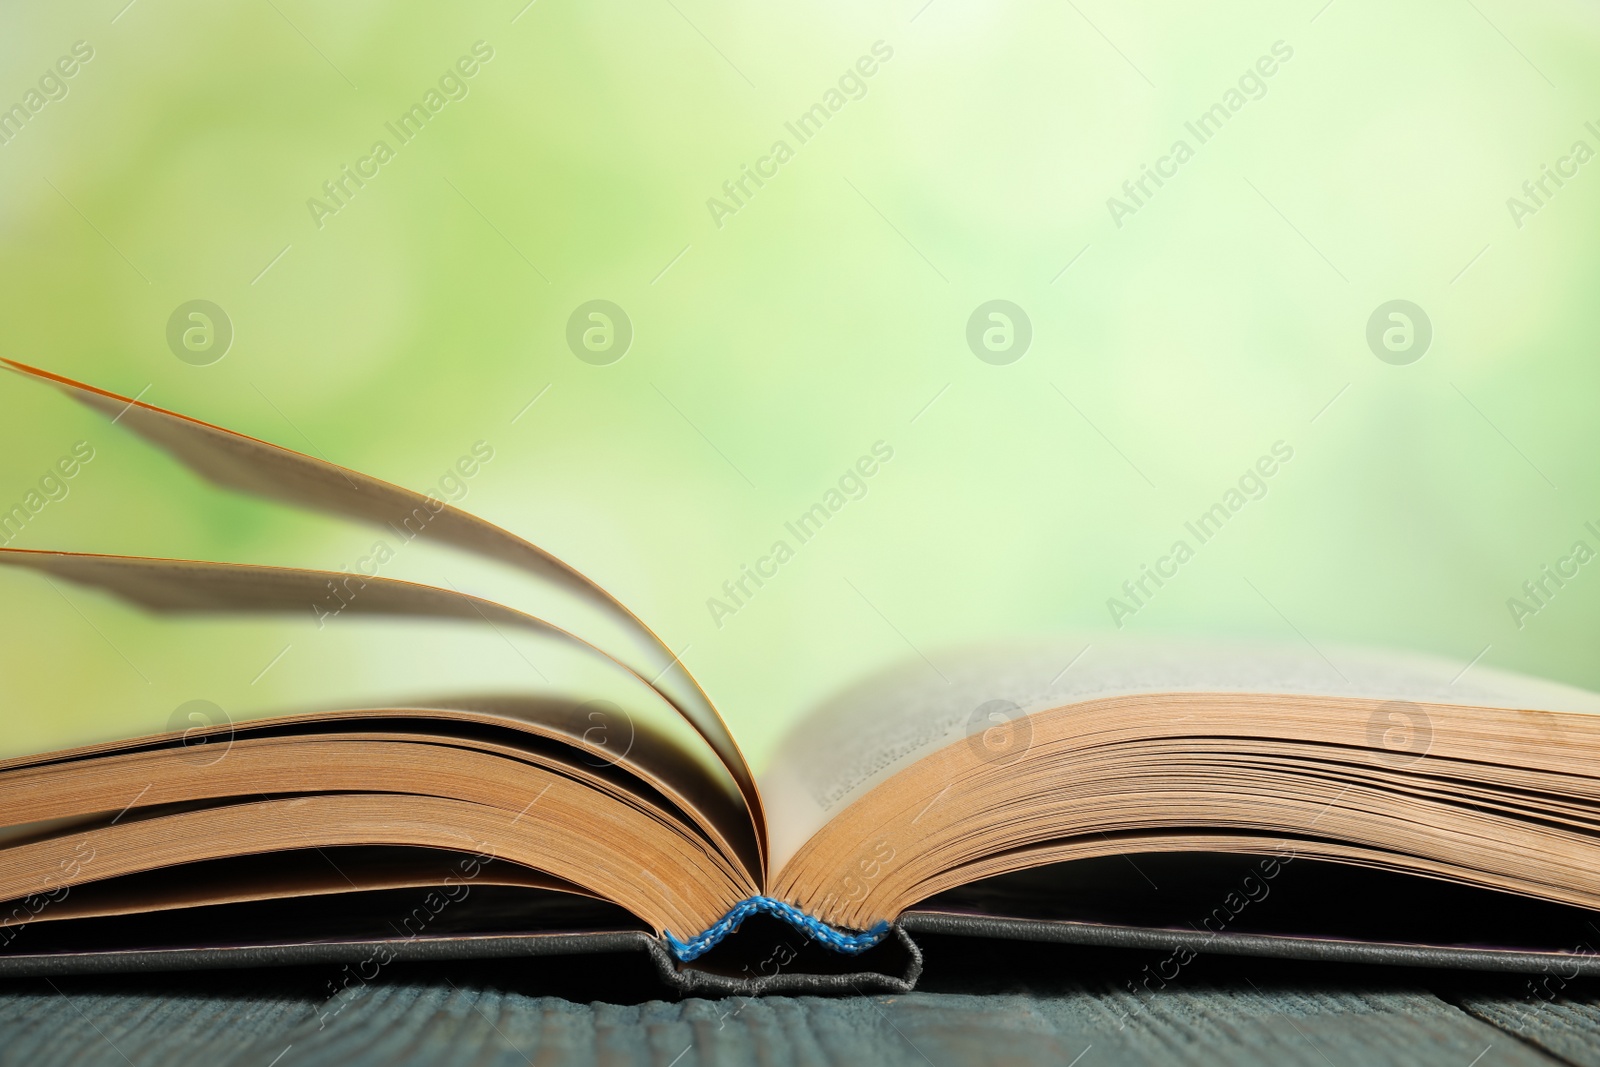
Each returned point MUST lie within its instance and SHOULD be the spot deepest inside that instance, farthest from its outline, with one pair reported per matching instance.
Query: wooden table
(990, 1004)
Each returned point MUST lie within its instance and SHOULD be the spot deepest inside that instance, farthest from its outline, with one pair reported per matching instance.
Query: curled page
(180, 585)
(253, 466)
(191, 586)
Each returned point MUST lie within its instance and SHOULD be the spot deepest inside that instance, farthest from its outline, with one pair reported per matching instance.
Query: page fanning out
(253, 466)
(184, 586)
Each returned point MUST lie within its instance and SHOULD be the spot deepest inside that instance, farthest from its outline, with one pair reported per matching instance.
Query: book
(1174, 797)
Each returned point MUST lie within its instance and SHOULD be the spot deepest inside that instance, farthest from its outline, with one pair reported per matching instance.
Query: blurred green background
(829, 312)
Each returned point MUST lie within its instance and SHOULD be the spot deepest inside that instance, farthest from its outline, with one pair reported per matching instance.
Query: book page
(249, 465)
(873, 730)
(166, 663)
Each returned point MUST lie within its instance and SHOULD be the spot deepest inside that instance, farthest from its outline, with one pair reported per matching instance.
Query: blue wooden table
(990, 1004)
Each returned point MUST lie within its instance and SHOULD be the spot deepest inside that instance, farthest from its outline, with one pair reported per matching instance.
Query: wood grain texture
(1041, 1008)
(1548, 1012)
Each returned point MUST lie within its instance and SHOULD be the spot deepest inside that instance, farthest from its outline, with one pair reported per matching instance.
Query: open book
(1178, 797)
